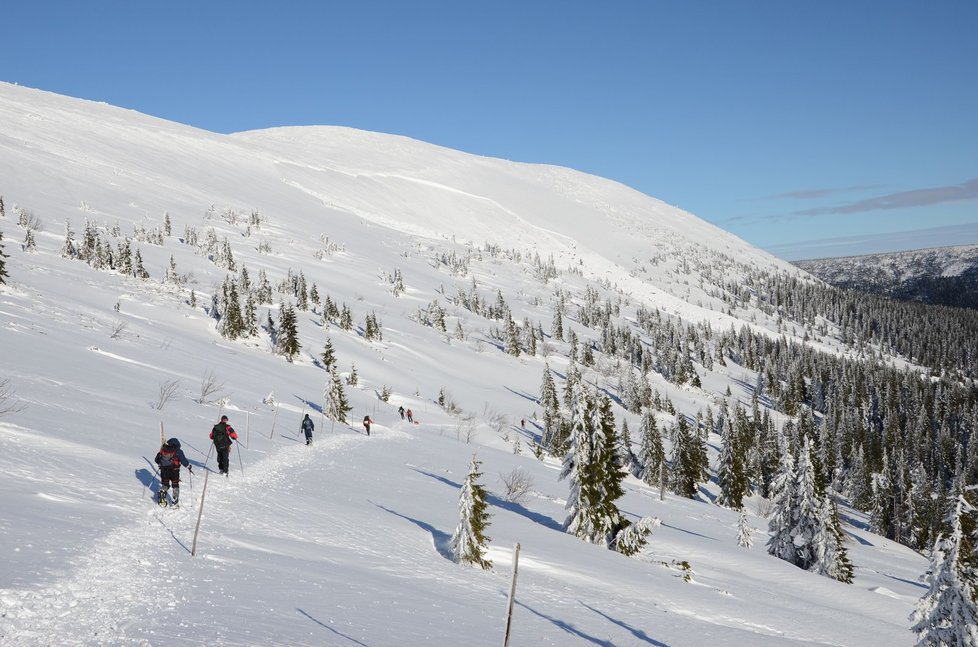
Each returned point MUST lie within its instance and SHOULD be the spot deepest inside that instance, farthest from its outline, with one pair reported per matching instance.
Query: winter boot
(176, 496)
(161, 497)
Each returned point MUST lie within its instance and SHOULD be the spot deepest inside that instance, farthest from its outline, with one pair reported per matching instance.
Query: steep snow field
(345, 542)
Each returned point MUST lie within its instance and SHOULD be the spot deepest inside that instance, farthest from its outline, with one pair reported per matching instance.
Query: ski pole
(240, 464)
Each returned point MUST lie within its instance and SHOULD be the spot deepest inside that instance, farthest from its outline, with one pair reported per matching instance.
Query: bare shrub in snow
(168, 390)
(517, 485)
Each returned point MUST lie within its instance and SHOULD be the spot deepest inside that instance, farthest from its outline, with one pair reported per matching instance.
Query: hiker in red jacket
(222, 434)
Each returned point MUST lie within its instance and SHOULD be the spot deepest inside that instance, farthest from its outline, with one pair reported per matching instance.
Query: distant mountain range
(940, 276)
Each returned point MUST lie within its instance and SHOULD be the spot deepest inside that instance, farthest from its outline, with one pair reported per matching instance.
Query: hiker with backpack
(366, 423)
(400, 410)
(170, 458)
(222, 434)
(410, 416)
(307, 427)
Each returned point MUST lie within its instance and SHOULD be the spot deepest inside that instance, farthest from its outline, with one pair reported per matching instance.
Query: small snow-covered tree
(3, 262)
(69, 248)
(469, 543)
(946, 614)
(633, 537)
(329, 355)
(336, 405)
(288, 337)
(744, 531)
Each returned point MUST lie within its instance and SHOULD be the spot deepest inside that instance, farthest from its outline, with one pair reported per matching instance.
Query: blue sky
(807, 128)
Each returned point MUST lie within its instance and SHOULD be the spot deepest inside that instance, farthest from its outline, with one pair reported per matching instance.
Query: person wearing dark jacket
(170, 458)
(307, 427)
(222, 434)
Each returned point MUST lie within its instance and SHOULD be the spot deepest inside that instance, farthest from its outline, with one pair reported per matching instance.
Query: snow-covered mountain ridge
(943, 275)
(345, 542)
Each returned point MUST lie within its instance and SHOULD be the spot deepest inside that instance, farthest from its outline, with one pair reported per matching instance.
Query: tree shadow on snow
(567, 627)
(524, 395)
(494, 500)
(441, 540)
(326, 626)
(638, 633)
(312, 406)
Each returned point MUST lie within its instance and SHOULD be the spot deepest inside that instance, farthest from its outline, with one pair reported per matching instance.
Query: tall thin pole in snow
(200, 513)
(662, 481)
(247, 429)
(161, 434)
(512, 593)
(275, 417)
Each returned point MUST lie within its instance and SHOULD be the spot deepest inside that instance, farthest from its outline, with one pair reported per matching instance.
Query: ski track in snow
(119, 581)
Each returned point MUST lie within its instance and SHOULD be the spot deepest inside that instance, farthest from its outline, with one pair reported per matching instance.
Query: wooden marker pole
(512, 594)
(274, 418)
(200, 513)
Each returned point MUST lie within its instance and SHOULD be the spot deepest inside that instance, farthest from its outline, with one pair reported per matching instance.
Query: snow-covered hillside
(345, 542)
(941, 275)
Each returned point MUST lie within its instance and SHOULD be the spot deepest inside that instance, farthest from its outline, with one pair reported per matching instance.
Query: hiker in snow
(522, 423)
(410, 415)
(170, 458)
(307, 428)
(400, 410)
(366, 423)
(222, 434)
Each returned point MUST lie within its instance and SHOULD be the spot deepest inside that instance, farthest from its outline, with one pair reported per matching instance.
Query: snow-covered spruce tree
(946, 614)
(230, 325)
(652, 454)
(512, 338)
(69, 249)
(689, 460)
(551, 409)
(583, 465)
(3, 261)
(288, 334)
(744, 531)
(30, 244)
(837, 564)
(626, 455)
(346, 318)
(810, 534)
(782, 521)
(557, 329)
(469, 543)
(138, 269)
(732, 466)
(371, 328)
(250, 316)
(881, 504)
(596, 480)
(328, 357)
(336, 405)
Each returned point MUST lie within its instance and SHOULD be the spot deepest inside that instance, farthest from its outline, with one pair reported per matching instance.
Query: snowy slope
(345, 542)
(940, 275)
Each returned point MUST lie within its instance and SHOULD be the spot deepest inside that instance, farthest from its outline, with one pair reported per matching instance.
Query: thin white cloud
(903, 200)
